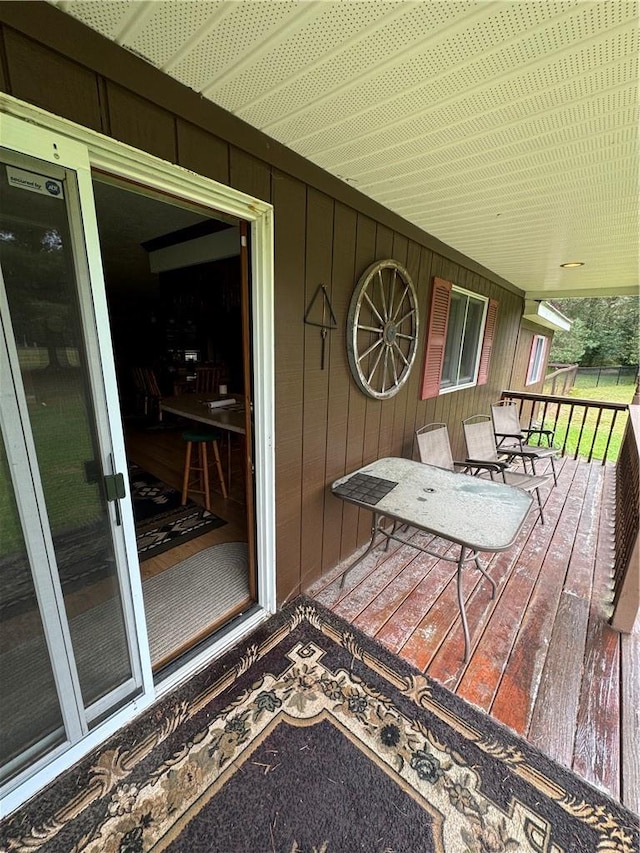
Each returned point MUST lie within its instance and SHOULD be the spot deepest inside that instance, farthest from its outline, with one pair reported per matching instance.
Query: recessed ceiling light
(571, 264)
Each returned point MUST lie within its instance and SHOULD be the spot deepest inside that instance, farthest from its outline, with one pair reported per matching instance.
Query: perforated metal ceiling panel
(507, 130)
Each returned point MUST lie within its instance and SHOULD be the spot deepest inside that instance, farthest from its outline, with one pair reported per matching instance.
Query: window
(536, 361)
(460, 337)
(466, 321)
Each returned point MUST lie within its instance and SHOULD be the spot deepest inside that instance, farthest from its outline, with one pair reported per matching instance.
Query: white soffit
(508, 130)
(546, 315)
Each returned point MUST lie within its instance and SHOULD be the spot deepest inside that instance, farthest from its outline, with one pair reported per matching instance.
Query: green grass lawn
(63, 445)
(622, 393)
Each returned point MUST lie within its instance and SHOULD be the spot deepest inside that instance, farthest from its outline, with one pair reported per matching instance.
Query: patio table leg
(374, 530)
(463, 614)
(487, 576)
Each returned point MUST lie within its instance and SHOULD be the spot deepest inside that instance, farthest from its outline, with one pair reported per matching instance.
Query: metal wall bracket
(324, 326)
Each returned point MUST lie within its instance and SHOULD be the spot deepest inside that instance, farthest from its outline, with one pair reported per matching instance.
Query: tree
(604, 332)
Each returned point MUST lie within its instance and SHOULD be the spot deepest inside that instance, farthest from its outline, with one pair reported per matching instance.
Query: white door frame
(121, 160)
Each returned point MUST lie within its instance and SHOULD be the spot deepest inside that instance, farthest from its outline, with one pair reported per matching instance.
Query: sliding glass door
(69, 655)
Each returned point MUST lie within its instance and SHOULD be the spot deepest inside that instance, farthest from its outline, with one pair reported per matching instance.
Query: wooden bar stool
(201, 470)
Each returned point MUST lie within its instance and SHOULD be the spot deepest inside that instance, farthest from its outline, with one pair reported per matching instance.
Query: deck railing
(626, 601)
(610, 432)
(562, 380)
(587, 428)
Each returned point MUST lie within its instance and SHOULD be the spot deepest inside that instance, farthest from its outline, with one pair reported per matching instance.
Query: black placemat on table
(364, 488)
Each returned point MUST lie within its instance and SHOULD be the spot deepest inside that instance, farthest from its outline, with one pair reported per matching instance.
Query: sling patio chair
(481, 450)
(434, 448)
(509, 434)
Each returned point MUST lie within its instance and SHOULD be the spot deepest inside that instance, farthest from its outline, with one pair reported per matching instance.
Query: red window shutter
(436, 337)
(487, 343)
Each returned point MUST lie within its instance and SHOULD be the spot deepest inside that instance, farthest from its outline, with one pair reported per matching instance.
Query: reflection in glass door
(68, 655)
(22, 639)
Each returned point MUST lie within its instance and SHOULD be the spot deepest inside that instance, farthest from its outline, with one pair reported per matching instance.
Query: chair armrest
(548, 432)
(496, 466)
(503, 436)
(524, 454)
(465, 467)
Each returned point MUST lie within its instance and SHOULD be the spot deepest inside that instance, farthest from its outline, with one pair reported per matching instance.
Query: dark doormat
(161, 522)
(310, 738)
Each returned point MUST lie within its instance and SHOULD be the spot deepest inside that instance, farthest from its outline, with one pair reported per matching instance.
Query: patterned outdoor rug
(310, 737)
(160, 519)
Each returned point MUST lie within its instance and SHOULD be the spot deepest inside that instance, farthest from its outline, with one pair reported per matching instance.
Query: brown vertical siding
(249, 175)
(201, 152)
(419, 268)
(49, 80)
(359, 450)
(141, 124)
(518, 378)
(325, 233)
(290, 200)
(315, 380)
(340, 385)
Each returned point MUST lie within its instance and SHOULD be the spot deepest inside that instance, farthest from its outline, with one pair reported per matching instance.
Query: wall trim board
(60, 32)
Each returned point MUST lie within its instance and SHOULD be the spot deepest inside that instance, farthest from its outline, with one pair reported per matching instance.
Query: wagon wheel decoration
(382, 329)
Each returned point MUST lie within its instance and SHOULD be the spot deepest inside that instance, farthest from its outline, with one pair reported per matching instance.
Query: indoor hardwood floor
(161, 453)
(544, 661)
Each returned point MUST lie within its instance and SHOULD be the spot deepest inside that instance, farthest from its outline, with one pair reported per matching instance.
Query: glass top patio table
(476, 514)
(480, 514)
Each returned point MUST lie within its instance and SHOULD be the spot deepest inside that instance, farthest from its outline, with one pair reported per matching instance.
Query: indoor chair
(147, 390)
(208, 379)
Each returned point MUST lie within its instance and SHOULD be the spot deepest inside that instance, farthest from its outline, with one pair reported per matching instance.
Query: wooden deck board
(553, 727)
(597, 751)
(544, 659)
(519, 686)
(630, 718)
(555, 708)
(489, 665)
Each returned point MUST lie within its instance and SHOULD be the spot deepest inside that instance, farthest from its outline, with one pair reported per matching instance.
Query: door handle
(114, 487)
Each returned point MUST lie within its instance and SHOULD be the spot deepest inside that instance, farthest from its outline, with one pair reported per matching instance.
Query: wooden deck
(544, 660)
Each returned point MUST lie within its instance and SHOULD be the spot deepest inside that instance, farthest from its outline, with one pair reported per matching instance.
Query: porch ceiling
(507, 130)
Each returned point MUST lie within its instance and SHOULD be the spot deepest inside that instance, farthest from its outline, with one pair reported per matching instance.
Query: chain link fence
(592, 377)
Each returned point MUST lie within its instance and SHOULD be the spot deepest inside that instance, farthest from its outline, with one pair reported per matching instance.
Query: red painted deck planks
(386, 572)
(382, 608)
(485, 670)
(556, 706)
(597, 745)
(515, 697)
(332, 593)
(410, 613)
(553, 720)
(448, 665)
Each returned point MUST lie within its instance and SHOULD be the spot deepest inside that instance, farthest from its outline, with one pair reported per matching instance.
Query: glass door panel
(38, 265)
(32, 720)
(50, 334)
